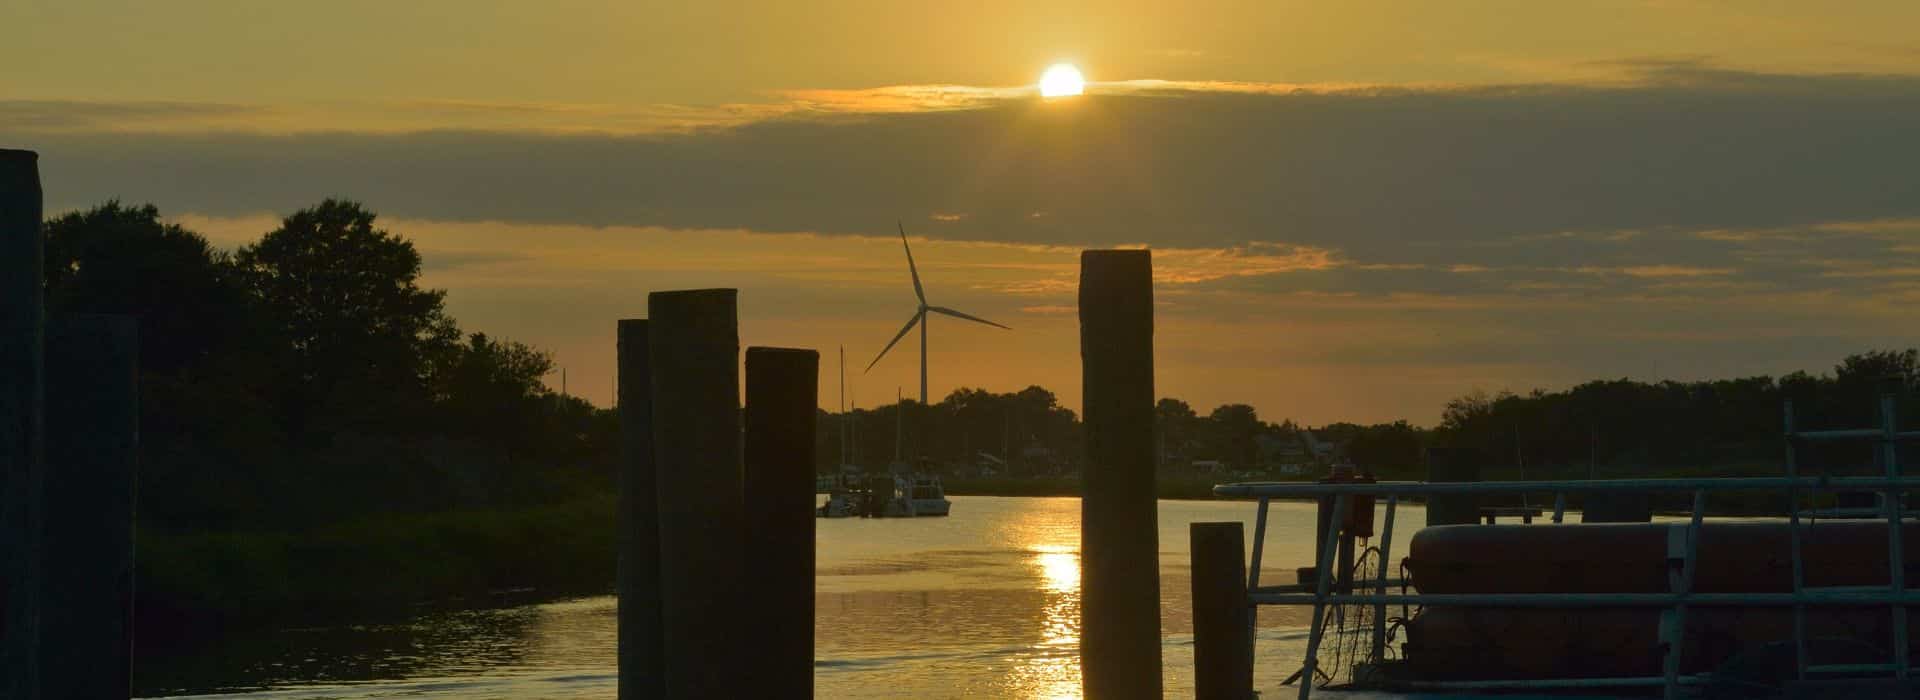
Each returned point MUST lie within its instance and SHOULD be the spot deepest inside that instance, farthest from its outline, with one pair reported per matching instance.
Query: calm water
(985, 603)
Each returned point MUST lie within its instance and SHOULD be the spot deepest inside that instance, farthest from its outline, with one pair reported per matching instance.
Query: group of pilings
(69, 437)
(716, 560)
(717, 532)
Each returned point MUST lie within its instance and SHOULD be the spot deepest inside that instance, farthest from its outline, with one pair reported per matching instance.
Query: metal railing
(1895, 594)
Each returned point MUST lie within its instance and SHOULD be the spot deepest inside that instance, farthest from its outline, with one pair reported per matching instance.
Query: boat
(927, 497)
(839, 505)
(906, 495)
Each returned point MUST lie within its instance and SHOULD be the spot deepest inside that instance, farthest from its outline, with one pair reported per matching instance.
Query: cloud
(1682, 220)
(1408, 175)
(29, 116)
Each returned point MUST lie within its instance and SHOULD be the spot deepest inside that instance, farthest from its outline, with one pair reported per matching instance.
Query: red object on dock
(1740, 557)
(1359, 522)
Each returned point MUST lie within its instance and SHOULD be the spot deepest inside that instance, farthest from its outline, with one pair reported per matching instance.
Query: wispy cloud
(1656, 271)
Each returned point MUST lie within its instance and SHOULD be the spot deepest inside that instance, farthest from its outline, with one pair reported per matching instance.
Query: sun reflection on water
(1050, 669)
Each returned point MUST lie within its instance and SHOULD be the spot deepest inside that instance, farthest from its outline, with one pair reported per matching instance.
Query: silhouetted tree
(1179, 429)
(361, 338)
(492, 393)
(1235, 429)
(204, 422)
(116, 259)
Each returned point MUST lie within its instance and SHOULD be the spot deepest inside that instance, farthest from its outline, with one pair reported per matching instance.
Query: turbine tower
(920, 317)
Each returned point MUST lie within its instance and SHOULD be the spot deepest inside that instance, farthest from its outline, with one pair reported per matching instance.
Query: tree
(493, 392)
(115, 259)
(1236, 429)
(361, 338)
(1178, 428)
(1392, 446)
(202, 418)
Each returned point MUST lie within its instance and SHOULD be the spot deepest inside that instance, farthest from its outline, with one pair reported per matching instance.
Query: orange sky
(1359, 210)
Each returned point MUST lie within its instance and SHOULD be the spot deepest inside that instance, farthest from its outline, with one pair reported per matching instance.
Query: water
(985, 603)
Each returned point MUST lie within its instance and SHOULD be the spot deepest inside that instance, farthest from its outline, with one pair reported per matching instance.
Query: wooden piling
(782, 400)
(1222, 649)
(92, 457)
(641, 669)
(1450, 464)
(22, 420)
(694, 353)
(1119, 547)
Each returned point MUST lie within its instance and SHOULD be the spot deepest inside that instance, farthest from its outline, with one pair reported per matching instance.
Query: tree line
(1613, 427)
(308, 378)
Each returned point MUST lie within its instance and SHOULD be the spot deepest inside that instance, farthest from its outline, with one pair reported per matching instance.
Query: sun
(1062, 80)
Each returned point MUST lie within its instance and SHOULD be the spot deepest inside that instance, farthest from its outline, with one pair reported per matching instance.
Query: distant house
(1210, 466)
(983, 465)
(1282, 449)
(1319, 451)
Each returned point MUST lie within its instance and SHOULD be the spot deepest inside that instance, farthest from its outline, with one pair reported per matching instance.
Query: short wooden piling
(1222, 650)
(92, 456)
(641, 669)
(782, 400)
(22, 420)
(1119, 547)
(694, 354)
(1451, 464)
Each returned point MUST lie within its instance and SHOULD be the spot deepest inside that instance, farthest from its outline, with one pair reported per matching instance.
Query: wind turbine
(920, 317)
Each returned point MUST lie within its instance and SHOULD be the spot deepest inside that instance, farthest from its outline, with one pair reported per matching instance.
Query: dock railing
(1682, 558)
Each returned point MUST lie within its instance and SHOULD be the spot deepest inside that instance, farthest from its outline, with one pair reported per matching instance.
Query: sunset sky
(1358, 210)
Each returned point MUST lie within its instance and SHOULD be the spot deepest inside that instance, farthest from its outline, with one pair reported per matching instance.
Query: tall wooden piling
(22, 418)
(1222, 649)
(641, 669)
(92, 455)
(782, 401)
(1119, 547)
(694, 354)
(1449, 464)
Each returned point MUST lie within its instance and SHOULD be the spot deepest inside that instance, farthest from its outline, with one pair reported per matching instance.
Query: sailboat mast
(843, 404)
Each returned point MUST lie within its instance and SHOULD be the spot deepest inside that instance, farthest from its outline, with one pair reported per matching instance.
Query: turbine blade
(896, 339)
(917, 291)
(956, 314)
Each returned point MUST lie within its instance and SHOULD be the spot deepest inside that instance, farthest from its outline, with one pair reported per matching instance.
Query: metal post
(1222, 656)
(1120, 586)
(694, 352)
(1380, 584)
(1253, 573)
(642, 670)
(1677, 638)
(1324, 581)
(1559, 507)
(1343, 576)
(1896, 550)
(1793, 539)
(782, 397)
(22, 329)
(93, 421)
